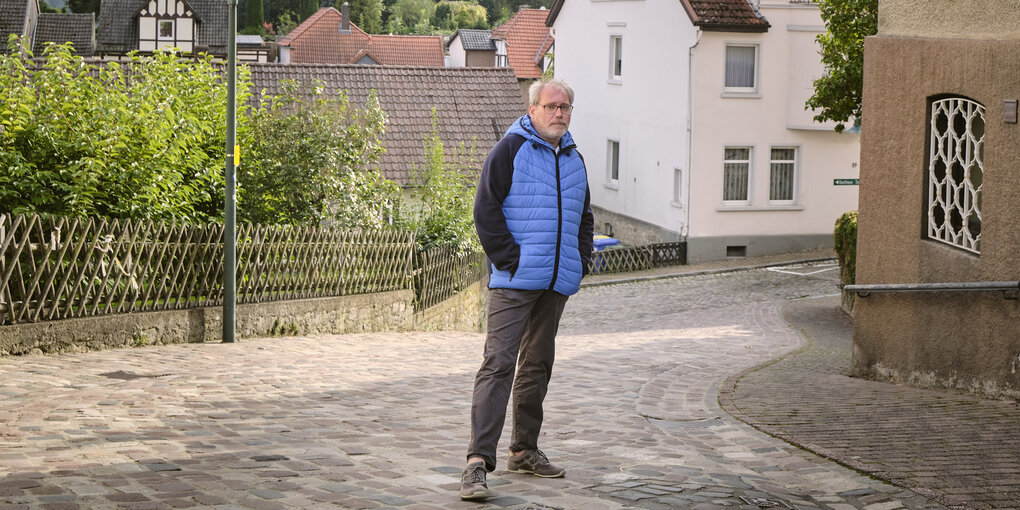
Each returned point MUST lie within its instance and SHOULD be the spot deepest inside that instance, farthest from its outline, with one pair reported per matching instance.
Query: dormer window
(501, 58)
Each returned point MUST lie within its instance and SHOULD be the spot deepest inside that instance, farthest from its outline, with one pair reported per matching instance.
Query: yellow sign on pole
(237, 155)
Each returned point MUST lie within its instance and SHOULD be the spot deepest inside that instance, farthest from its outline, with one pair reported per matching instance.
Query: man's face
(551, 126)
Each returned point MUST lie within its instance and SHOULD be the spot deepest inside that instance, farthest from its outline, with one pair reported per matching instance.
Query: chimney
(345, 22)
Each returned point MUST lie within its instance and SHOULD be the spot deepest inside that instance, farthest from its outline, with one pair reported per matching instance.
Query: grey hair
(536, 89)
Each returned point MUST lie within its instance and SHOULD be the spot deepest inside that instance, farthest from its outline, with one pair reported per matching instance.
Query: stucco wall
(968, 341)
(973, 19)
(384, 311)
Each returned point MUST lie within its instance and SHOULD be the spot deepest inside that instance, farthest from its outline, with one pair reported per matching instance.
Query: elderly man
(534, 221)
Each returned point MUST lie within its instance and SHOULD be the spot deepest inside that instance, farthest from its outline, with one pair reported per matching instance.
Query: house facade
(472, 48)
(192, 26)
(939, 183)
(328, 37)
(691, 118)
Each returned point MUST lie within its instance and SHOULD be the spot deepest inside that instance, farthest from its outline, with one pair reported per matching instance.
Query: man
(534, 221)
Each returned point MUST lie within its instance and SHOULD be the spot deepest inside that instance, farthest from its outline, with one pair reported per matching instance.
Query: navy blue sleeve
(493, 187)
(586, 232)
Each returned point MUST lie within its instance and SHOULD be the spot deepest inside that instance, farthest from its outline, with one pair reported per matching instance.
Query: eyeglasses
(551, 108)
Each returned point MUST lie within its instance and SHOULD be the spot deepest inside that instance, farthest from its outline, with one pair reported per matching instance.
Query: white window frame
(616, 64)
(794, 178)
(678, 188)
(755, 89)
(750, 165)
(159, 29)
(502, 60)
(613, 163)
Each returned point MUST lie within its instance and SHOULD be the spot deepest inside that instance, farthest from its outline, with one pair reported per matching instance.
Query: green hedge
(844, 238)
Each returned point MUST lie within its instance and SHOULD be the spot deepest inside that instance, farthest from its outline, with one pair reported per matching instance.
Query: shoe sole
(527, 472)
(478, 494)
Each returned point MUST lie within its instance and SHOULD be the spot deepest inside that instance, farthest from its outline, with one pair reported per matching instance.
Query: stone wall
(384, 311)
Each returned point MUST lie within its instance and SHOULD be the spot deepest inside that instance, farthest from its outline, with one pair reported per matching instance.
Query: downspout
(686, 229)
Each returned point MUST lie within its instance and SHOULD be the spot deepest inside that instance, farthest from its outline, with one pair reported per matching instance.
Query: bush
(845, 242)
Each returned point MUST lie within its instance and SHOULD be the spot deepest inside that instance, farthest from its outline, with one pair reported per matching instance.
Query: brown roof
(528, 39)
(711, 15)
(473, 105)
(725, 15)
(318, 41)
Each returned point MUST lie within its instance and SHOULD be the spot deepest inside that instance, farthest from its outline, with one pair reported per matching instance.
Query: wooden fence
(638, 258)
(57, 268)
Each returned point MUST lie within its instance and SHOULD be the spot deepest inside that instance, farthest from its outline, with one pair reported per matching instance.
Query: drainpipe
(690, 132)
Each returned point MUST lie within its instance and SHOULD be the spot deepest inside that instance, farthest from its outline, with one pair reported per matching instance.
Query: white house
(691, 118)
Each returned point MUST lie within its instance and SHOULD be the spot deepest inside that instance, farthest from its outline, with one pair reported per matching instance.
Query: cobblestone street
(381, 420)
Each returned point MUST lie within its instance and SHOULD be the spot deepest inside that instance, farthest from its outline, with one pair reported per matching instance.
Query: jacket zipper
(559, 217)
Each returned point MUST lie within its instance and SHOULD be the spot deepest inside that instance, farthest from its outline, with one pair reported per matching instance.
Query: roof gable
(318, 40)
(474, 40)
(528, 38)
(118, 28)
(474, 106)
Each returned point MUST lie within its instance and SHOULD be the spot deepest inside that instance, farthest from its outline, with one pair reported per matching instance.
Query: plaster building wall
(645, 110)
(968, 341)
(773, 116)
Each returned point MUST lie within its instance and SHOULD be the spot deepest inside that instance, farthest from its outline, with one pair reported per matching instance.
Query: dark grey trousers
(522, 332)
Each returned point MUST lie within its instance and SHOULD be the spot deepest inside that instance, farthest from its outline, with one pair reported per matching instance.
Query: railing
(57, 268)
(1010, 290)
(638, 258)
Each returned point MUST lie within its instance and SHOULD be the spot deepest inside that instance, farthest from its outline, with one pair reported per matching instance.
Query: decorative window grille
(956, 172)
(741, 75)
(783, 174)
(736, 166)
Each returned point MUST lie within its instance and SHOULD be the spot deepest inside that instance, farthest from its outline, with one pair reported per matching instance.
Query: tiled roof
(473, 105)
(118, 28)
(725, 15)
(318, 41)
(475, 40)
(12, 20)
(527, 40)
(79, 29)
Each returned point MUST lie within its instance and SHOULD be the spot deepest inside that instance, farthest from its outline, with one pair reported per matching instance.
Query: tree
(307, 8)
(254, 18)
(367, 15)
(83, 6)
(309, 162)
(838, 93)
(141, 140)
(445, 200)
(408, 15)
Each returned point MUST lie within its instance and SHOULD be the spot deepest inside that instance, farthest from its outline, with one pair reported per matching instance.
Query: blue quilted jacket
(533, 213)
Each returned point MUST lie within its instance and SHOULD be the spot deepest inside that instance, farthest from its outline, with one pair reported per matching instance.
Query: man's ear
(531, 109)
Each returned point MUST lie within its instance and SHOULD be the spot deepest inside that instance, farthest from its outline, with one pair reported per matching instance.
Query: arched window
(955, 172)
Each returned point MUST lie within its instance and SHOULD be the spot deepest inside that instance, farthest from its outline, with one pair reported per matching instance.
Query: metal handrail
(863, 290)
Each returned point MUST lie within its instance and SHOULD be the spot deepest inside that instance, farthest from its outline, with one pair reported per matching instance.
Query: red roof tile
(318, 41)
(528, 39)
(725, 15)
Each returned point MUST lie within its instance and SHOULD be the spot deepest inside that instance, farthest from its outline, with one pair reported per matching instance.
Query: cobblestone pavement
(380, 420)
(962, 450)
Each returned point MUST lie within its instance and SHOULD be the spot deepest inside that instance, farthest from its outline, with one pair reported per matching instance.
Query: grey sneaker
(472, 482)
(534, 462)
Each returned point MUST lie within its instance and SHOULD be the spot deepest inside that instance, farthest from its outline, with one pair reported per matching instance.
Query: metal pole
(233, 159)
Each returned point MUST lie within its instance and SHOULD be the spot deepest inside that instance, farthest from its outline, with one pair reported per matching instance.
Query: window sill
(741, 95)
(678, 205)
(615, 81)
(749, 208)
(613, 185)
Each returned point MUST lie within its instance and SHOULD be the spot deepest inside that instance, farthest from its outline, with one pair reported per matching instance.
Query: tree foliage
(441, 214)
(309, 162)
(838, 93)
(367, 15)
(254, 17)
(142, 140)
